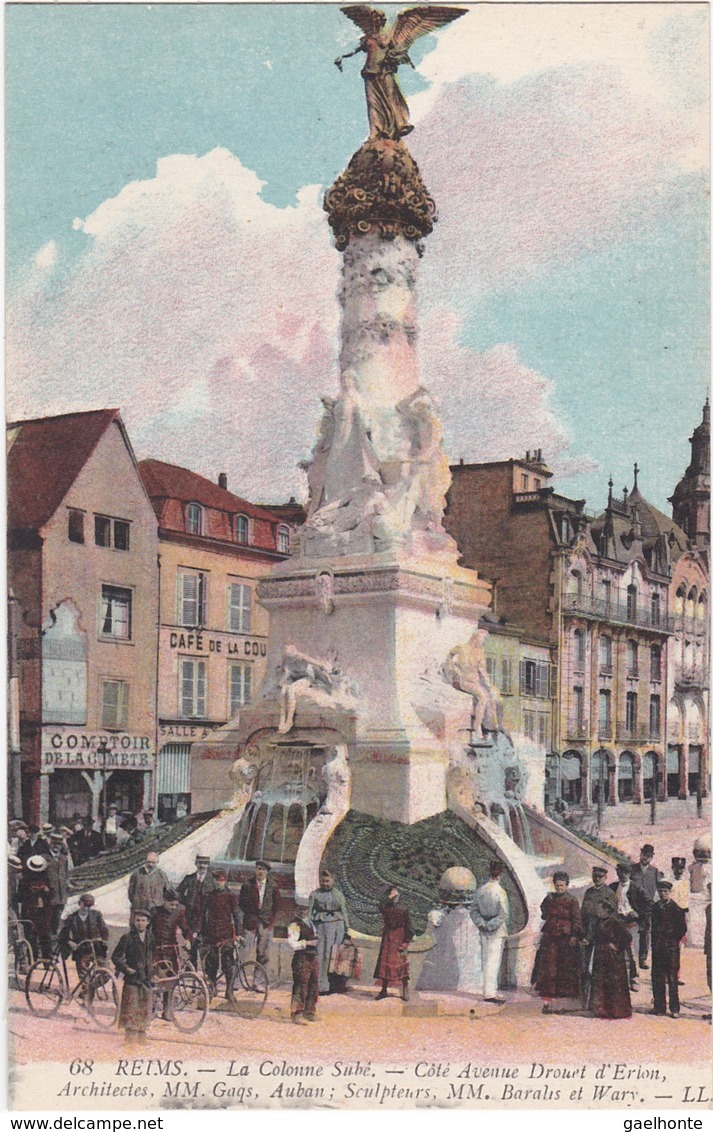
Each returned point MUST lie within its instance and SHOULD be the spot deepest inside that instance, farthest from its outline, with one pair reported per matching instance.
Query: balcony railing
(640, 733)
(617, 612)
(606, 669)
(577, 730)
(604, 730)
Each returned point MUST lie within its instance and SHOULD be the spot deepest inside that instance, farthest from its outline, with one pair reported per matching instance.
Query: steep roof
(169, 481)
(45, 456)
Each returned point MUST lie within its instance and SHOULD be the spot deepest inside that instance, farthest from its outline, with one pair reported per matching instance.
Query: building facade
(214, 546)
(621, 603)
(82, 570)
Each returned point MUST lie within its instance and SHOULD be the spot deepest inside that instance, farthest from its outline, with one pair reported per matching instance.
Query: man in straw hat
(37, 904)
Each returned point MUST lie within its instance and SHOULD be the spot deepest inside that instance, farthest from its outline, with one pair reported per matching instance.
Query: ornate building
(621, 601)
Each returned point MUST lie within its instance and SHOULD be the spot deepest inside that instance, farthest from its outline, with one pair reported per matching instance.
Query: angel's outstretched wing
(370, 20)
(412, 23)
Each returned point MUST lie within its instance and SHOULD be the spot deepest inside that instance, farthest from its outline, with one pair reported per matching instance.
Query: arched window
(632, 658)
(283, 540)
(631, 597)
(580, 643)
(678, 603)
(701, 614)
(600, 776)
(605, 655)
(656, 662)
(194, 519)
(572, 777)
(242, 529)
(625, 777)
(691, 607)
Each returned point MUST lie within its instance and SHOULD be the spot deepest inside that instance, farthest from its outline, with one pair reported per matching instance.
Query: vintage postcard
(358, 445)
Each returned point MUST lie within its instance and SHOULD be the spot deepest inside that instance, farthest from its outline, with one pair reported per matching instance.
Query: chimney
(223, 480)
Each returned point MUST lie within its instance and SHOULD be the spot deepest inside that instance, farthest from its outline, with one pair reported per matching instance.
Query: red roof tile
(44, 459)
(169, 481)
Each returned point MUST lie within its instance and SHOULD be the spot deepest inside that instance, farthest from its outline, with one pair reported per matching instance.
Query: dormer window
(283, 540)
(194, 519)
(242, 529)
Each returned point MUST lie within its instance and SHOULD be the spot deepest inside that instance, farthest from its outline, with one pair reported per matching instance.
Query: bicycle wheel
(247, 989)
(45, 988)
(23, 961)
(188, 1003)
(102, 997)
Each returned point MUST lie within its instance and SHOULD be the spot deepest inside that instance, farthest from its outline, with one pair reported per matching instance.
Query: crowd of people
(589, 956)
(592, 955)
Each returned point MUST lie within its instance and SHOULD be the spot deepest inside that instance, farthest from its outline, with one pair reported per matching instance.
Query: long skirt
(392, 964)
(559, 967)
(330, 934)
(135, 1009)
(610, 996)
(305, 983)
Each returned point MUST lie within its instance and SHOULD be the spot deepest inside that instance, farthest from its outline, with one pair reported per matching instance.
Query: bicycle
(23, 955)
(246, 984)
(97, 990)
(180, 994)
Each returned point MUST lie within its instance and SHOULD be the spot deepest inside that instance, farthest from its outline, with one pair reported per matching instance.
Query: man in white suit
(490, 915)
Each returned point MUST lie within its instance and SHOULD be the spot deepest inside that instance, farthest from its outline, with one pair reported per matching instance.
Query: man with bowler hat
(647, 876)
(260, 903)
(631, 906)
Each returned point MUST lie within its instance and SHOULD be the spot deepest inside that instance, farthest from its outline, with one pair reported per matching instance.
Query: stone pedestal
(390, 622)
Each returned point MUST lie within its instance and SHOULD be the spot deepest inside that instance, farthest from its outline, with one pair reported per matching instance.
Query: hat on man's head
(220, 874)
(65, 831)
(16, 824)
(33, 829)
(86, 898)
(678, 861)
(648, 850)
(47, 827)
(664, 884)
(141, 912)
(263, 865)
(170, 894)
(623, 867)
(36, 864)
(201, 859)
(598, 871)
(57, 838)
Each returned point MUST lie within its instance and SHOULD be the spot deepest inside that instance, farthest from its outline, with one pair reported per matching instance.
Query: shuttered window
(240, 686)
(193, 689)
(173, 772)
(239, 608)
(192, 598)
(115, 703)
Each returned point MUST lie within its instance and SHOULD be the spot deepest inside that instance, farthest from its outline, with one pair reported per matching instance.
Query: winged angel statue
(386, 50)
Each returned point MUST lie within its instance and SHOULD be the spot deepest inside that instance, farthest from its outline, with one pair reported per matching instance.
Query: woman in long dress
(133, 958)
(328, 912)
(558, 966)
(609, 987)
(392, 968)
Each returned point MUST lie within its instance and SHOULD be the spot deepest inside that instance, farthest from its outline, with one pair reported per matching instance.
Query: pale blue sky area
(96, 94)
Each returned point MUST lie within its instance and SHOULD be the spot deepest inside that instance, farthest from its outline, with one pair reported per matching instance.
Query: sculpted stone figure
(465, 668)
(386, 49)
(305, 677)
(242, 777)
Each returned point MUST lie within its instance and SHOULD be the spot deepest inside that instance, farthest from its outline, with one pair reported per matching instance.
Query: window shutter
(542, 681)
(553, 681)
(523, 678)
(187, 699)
(189, 599)
(245, 601)
(200, 688)
(202, 599)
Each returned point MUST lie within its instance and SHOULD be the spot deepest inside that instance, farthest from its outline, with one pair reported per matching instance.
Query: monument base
(386, 623)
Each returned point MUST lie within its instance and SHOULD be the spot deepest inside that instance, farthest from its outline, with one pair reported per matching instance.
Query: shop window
(192, 599)
(115, 704)
(75, 526)
(673, 772)
(600, 776)
(193, 689)
(625, 778)
(571, 772)
(239, 608)
(648, 769)
(116, 613)
(240, 686)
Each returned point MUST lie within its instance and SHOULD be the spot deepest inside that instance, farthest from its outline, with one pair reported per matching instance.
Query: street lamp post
(600, 798)
(654, 788)
(102, 750)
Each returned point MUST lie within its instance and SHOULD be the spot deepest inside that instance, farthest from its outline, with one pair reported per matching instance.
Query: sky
(167, 250)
